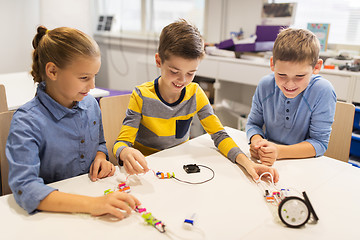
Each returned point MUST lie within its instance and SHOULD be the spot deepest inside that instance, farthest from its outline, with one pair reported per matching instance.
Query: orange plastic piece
(329, 66)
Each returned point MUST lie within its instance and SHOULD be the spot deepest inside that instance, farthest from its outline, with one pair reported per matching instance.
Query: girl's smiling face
(73, 82)
(291, 77)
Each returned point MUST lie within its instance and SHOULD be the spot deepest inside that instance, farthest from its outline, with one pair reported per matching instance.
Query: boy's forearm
(299, 150)
(243, 160)
(64, 202)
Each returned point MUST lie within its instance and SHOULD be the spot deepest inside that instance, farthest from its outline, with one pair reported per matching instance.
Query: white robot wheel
(293, 211)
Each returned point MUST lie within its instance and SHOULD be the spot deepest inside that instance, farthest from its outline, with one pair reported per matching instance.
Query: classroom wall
(20, 18)
(124, 67)
(17, 18)
(67, 13)
(129, 65)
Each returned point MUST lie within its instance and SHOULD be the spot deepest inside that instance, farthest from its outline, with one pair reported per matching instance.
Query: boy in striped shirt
(160, 112)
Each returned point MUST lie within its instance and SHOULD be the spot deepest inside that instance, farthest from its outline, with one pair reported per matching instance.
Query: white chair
(113, 110)
(5, 120)
(340, 138)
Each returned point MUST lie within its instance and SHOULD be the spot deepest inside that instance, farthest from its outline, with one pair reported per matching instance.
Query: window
(150, 16)
(126, 14)
(343, 16)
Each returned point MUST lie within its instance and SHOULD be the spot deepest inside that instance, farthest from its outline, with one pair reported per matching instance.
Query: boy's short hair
(296, 45)
(181, 39)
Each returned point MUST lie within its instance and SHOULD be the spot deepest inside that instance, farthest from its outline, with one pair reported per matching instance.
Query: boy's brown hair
(59, 46)
(181, 39)
(296, 45)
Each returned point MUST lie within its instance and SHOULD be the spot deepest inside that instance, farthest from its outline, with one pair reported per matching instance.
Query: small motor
(295, 211)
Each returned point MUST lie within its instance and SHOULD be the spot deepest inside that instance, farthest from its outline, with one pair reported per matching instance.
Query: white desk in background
(20, 88)
(230, 206)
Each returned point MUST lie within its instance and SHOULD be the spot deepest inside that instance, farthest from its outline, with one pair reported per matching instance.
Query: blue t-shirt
(48, 142)
(307, 117)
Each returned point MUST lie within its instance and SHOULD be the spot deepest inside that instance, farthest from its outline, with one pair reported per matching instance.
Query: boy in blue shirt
(294, 104)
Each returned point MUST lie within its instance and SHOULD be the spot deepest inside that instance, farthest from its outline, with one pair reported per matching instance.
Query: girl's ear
(157, 60)
(272, 65)
(318, 66)
(51, 71)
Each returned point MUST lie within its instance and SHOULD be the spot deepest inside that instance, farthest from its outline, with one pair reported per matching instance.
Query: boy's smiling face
(291, 77)
(176, 74)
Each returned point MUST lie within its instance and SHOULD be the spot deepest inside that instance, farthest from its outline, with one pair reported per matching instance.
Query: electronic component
(162, 175)
(122, 187)
(150, 219)
(189, 222)
(107, 191)
(191, 168)
(292, 210)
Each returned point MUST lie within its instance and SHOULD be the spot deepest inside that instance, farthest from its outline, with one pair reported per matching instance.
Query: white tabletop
(231, 206)
(20, 88)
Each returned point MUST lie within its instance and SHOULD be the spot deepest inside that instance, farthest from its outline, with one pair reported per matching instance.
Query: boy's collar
(182, 95)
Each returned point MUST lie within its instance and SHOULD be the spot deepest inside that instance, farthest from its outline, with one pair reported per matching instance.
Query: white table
(20, 88)
(231, 206)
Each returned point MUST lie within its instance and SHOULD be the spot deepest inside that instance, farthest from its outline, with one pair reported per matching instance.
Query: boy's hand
(255, 169)
(267, 151)
(254, 145)
(101, 168)
(134, 161)
(112, 202)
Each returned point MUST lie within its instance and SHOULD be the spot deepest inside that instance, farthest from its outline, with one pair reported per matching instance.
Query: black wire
(198, 182)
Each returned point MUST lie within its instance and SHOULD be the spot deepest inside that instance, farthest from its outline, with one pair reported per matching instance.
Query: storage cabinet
(236, 81)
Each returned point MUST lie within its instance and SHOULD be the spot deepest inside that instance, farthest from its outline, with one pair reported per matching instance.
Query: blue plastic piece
(189, 221)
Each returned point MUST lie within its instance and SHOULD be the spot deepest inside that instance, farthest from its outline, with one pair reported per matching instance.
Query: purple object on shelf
(267, 33)
(265, 38)
(254, 47)
(246, 47)
(226, 44)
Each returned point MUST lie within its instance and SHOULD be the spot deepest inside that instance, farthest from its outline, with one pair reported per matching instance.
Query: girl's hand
(112, 202)
(134, 161)
(101, 168)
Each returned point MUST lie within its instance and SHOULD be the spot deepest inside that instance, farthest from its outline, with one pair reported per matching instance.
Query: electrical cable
(183, 181)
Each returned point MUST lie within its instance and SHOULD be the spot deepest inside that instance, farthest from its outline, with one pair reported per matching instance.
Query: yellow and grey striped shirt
(151, 124)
